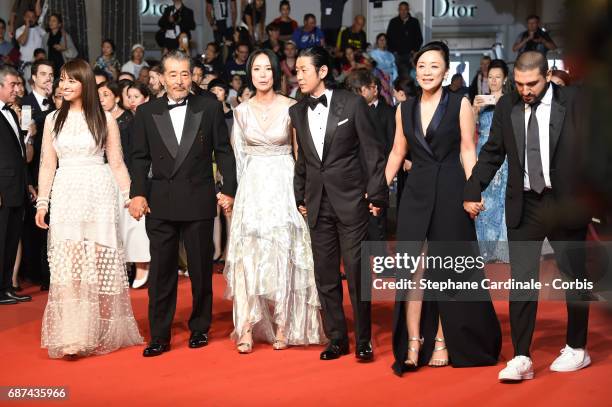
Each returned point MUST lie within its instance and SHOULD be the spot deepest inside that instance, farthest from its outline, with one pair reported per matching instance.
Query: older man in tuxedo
(13, 185)
(177, 135)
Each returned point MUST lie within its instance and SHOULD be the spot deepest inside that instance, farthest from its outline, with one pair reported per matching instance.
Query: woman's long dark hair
(95, 117)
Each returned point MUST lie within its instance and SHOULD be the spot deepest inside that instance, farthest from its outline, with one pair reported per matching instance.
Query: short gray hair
(529, 60)
(177, 56)
(5, 71)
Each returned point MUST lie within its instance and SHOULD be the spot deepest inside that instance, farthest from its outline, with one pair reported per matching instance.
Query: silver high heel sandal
(245, 347)
(434, 362)
(414, 362)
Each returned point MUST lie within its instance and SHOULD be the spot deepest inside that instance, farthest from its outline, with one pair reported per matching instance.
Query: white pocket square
(342, 122)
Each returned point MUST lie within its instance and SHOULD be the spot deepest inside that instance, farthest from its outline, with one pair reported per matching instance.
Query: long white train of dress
(269, 266)
(88, 310)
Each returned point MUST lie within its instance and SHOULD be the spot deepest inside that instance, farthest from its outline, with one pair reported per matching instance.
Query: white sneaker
(517, 369)
(571, 360)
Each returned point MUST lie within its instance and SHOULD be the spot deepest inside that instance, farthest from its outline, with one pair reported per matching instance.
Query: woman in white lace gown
(269, 266)
(88, 310)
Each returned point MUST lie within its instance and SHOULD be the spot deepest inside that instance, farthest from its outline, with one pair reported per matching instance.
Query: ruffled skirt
(269, 266)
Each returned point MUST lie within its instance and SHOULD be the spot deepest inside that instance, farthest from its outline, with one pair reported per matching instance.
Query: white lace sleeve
(48, 164)
(238, 143)
(114, 154)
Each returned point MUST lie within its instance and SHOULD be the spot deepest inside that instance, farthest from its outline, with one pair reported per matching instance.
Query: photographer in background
(534, 39)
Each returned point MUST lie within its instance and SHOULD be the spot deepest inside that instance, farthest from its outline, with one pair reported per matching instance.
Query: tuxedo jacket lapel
(166, 131)
(335, 110)
(16, 138)
(308, 134)
(557, 116)
(418, 126)
(518, 129)
(190, 129)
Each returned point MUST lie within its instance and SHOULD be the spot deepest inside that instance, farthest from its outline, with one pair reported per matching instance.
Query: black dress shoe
(335, 349)
(21, 298)
(156, 348)
(364, 352)
(198, 339)
(5, 300)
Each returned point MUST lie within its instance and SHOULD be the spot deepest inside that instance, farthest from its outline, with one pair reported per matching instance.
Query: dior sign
(153, 8)
(450, 9)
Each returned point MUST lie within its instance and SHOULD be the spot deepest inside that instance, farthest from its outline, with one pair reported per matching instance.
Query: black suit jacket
(384, 120)
(507, 139)
(13, 168)
(183, 186)
(38, 116)
(353, 160)
(184, 20)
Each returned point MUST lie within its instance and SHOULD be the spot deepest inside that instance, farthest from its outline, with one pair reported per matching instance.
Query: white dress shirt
(543, 116)
(317, 121)
(13, 124)
(39, 99)
(177, 115)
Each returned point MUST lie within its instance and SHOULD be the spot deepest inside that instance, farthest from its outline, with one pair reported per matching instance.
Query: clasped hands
(474, 208)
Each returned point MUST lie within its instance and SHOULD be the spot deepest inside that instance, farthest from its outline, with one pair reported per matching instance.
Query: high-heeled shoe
(138, 283)
(245, 346)
(434, 362)
(280, 342)
(413, 363)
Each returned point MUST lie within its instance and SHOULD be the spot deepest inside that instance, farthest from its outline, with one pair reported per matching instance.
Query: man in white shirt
(29, 36)
(544, 199)
(13, 186)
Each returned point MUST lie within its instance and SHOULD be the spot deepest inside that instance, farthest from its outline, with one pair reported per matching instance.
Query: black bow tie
(313, 102)
(183, 103)
(45, 102)
(6, 107)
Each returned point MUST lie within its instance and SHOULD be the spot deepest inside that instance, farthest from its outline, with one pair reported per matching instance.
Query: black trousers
(332, 239)
(540, 220)
(377, 226)
(163, 276)
(11, 227)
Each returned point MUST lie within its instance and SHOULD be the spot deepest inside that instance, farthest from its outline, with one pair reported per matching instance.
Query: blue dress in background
(491, 223)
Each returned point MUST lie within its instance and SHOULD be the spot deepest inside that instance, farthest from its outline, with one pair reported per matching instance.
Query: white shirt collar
(39, 99)
(547, 99)
(374, 103)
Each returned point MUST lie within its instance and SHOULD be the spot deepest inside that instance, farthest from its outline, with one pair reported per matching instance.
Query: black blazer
(13, 168)
(353, 160)
(38, 116)
(507, 138)
(183, 186)
(184, 20)
(384, 120)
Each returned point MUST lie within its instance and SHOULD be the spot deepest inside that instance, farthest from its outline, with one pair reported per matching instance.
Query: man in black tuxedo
(13, 185)
(177, 135)
(542, 201)
(339, 176)
(176, 19)
(35, 238)
(363, 83)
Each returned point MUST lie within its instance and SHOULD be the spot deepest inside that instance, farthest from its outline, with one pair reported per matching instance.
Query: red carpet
(217, 375)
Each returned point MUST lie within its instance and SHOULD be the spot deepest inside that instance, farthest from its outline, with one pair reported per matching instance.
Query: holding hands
(226, 202)
(138, 207)
(474, 208)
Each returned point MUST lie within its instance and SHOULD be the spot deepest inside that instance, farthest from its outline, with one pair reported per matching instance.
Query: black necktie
(313, 102)
(534, 157)
(45, 102)
(183, 103)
